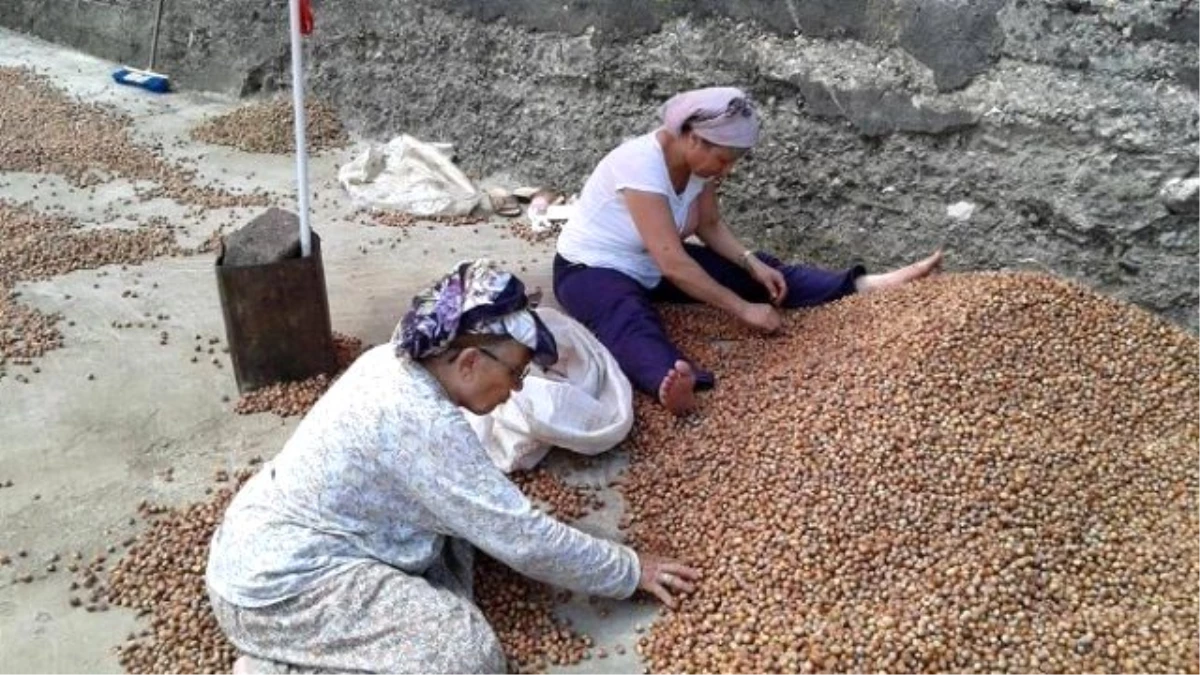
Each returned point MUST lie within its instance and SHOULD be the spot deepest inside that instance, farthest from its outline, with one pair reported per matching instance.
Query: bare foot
(677, 391)
(904, 275)
(241, 666)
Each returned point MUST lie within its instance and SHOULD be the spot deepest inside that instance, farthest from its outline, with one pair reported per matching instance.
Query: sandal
(504, 203)
(525, 193)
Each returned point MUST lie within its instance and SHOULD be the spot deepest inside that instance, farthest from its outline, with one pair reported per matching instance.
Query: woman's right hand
(761, 316)
(662, 576)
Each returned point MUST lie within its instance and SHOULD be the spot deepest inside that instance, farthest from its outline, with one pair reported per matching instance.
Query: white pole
(301, 143)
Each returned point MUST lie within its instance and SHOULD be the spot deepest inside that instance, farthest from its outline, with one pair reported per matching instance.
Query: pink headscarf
(719, 115)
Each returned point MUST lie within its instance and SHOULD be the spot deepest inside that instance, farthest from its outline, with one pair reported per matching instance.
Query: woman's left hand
(770, 278)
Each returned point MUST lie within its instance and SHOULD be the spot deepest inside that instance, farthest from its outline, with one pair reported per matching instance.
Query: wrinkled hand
(771, 279)
(663, 576)
(761, 316)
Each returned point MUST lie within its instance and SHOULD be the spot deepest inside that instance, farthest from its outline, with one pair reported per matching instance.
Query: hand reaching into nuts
(662, 576)
(761, 316)
(770, 278)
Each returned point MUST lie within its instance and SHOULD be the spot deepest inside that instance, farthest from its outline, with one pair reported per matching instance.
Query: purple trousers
(621, 312)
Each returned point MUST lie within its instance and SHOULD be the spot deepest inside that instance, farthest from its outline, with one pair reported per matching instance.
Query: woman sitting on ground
(624, 248)
(352, 550)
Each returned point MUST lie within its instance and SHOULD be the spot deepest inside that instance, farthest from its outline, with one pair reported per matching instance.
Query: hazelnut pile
(394, 219)
(973, 473)
(286, 399)
(25, 333)
(978, 473)
(37, 246)
(522, 230)
(161, 575)
(43, 130)
(521, 612)
(290, 399)
(563, 501)
(405, 220)
(269, 127)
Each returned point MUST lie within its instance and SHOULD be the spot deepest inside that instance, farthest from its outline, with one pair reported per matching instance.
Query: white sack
(584, 403)
(409, 175)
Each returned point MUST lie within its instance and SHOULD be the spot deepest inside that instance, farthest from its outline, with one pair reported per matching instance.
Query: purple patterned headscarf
(477, 297)
(720, 115)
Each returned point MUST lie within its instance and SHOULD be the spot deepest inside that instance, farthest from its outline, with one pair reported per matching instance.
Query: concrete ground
(94, 431)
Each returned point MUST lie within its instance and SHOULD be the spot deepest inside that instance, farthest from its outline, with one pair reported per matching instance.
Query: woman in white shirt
(351, 550)
(624, 249)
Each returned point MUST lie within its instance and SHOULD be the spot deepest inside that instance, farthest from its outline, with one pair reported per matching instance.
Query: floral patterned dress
(351, 550)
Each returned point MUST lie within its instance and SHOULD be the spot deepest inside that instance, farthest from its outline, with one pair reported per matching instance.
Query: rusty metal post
(276, 319)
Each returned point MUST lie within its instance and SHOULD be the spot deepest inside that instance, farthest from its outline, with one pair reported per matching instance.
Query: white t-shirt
(602, 233)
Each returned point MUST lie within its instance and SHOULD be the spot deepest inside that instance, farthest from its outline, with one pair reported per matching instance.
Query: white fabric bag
(409, 175)
(584, 403)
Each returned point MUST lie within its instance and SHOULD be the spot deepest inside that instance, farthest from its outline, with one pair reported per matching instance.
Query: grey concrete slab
(82, 452)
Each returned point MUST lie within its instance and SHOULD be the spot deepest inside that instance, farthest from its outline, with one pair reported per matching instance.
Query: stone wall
(1070, 126)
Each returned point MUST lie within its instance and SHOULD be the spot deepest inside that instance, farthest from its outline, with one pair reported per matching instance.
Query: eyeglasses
(517, 375)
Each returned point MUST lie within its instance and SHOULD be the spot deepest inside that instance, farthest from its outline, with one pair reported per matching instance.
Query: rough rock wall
(1061, 121)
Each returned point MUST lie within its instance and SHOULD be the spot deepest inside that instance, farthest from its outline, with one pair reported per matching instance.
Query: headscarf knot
(478, 298)
(720, 115)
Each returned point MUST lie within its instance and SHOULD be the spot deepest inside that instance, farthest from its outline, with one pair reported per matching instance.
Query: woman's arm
(500, 521)
(654, 222)
(713, 232)
(448, 473)
(717, 236)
